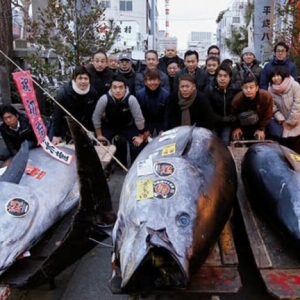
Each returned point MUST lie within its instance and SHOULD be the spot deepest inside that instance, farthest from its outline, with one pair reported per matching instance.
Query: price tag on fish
(168, 149)
(144, 189)
(144, 167)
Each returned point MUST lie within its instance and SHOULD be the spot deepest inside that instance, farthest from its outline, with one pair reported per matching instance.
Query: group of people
(246, 101)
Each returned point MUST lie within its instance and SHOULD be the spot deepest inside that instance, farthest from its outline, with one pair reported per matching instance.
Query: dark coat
(201, 78)
(154, 106)
(239, 72)
(264, 78)
(201, 112)
(100, 80)
(220, 100)
(80, 106)
(130, 79)
(13, 139)
(163, 63)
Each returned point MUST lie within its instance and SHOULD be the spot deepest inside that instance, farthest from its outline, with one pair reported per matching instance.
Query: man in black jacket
(15, 129)
(170, 53)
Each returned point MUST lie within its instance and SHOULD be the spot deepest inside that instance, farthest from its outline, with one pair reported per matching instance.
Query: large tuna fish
(36, 192)
(273, 186)
(174, 204)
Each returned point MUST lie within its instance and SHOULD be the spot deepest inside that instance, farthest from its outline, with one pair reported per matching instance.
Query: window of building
(106, 4)
(235, 19)
(125, 5)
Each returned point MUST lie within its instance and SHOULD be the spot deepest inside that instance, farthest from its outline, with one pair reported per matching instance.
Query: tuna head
(155, 240)
(163, 236)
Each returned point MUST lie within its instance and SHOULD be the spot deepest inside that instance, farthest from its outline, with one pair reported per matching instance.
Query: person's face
(214, 52)
(113, 62)
(118, 90)
(186, 88)
(211, 67)
(250, 89)
(82, 81)
(99, 62)
(191, 63)
(151, 61)
(124, 64)
(280, 53)
(277, 79)
(172, 69)
(152, 83)
(10, 120)
(223, 79)
(248, 58)
(170, 51)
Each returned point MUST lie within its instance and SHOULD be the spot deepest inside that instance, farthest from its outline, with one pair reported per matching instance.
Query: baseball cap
(124, 56)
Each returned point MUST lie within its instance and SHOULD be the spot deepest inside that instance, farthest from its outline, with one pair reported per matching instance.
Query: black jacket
(13, 139)
(163, 63)
(201, 78)
(201, 112)
(80, 106)
(130, 80)
(220, 100)
(100, 80)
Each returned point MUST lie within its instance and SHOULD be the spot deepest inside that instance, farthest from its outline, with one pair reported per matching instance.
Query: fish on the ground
(272, 186)
(36, 192)
(174, 203)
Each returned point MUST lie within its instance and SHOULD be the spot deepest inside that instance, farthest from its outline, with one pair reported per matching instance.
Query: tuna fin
(187, 142)
(16, 169)
(94, 190)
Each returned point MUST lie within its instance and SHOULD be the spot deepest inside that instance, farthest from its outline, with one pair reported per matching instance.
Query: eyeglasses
(280, 51)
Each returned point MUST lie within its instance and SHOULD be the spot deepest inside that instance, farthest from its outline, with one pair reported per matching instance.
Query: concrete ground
(87, 279)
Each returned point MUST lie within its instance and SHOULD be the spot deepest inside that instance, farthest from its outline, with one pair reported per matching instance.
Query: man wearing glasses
(280, 58)
(213, 50)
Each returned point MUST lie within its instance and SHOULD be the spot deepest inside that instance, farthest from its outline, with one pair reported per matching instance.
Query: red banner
(25, 87)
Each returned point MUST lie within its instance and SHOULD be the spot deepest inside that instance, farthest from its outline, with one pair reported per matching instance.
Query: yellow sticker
(144, 189)
(168, 149)
(295, 157)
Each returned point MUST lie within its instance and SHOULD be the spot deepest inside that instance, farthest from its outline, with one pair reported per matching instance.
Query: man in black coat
(170, 53)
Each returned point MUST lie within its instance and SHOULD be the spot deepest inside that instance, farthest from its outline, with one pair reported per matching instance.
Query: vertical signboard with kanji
(263, 28)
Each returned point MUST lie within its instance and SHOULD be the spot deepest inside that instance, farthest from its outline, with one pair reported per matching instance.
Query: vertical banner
(25, 87)
(264, 13)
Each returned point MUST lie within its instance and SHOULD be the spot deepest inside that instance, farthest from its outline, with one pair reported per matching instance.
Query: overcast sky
(190, 15)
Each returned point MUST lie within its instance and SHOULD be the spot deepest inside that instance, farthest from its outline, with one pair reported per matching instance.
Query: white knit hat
(248, 50)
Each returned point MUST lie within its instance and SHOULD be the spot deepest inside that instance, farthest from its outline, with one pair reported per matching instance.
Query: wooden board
(278, 264)
(219, 274)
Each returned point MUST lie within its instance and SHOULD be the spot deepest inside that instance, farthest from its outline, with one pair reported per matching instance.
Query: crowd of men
(130, 107)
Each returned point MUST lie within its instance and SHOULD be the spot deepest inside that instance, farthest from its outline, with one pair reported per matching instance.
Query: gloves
(229, 119)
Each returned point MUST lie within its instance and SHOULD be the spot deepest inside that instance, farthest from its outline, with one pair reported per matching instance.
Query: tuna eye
(183, 220)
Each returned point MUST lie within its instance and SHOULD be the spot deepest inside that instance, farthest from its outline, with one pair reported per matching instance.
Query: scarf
(280, 88)
(79, 91)
(185, 104)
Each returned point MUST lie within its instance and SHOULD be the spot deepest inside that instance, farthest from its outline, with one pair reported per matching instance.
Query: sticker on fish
(144, 189)
(168, 149)
(35, 172)
(164, 169)
(17, 207)
(144, 167)
(163, 189)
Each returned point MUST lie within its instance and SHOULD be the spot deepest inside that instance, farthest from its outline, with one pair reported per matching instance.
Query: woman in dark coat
(79, 98)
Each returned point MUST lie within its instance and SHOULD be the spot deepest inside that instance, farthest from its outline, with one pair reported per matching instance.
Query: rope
(68, 113)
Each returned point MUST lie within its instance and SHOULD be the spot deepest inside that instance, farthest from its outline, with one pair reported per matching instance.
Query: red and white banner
(25, 87)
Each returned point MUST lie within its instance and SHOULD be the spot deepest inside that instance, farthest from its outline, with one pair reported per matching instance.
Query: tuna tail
(94, 190)
(16, 169)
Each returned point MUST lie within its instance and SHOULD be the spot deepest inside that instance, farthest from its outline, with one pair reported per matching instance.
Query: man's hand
(259, 135)
(56, 140)
(237, 134)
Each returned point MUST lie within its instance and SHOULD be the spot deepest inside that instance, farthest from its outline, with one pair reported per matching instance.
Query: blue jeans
(224, 133)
